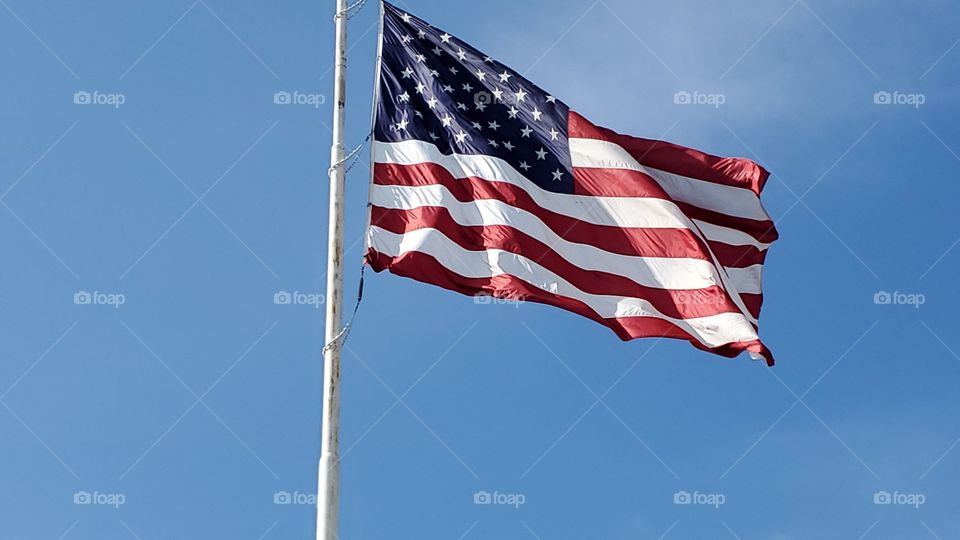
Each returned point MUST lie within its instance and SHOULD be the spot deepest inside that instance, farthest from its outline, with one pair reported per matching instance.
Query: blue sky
(183, 191)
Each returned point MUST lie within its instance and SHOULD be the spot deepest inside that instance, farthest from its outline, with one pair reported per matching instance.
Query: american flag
(485, 184)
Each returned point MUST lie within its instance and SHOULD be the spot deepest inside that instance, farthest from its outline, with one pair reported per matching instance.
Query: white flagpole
(328, 482)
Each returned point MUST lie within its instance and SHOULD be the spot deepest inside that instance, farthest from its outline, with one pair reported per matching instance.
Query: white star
(461, 106)
(407, 73)
(432, 102)
(402, 124)
(421, 34)
(513, 112)
(404, 97)
(493, 125)
(551, 99)
(406, 39)
(476, 125)
(418, 114)
(521, 95)
(526, 131)
(454, 70)
(405, 17)
(420, 57)
(524, 166)
(497, 94)
(447, 88)
(421, 87)
(505, 76)
(557, 175)
(493, 143)
(460, 137)
(434, 136)
(445, 37)
(435, 73)
(481, 106)
(537, 114)
(446, 120)
(481, 75)
(508, 145)
(541, 154)
(554, 134)
(461, 55)
(467, 88)
(487, 59)
(437, 51)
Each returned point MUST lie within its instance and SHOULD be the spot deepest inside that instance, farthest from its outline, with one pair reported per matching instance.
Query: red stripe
(753, 303)
(737, 256)
(763, 231)
(678, 304)
(600, 182)
(427, 269)
(736, 172)
(627, 183)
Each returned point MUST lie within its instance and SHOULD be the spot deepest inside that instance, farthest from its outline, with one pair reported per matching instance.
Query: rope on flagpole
(345, 331)
(355, 8)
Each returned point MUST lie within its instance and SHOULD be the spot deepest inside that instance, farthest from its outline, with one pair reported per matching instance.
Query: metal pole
(328, 482)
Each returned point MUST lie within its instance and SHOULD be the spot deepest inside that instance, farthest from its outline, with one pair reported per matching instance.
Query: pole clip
(353, 154)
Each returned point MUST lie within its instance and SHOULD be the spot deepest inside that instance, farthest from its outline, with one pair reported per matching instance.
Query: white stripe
(712, 331)
(726, 235)
(728, 200)
(748, 279)
(655, 272)
(612, 211)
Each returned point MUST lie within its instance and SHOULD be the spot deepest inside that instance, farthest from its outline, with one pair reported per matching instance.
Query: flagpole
(328, 481)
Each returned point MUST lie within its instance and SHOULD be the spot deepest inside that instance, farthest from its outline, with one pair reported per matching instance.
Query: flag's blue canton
(438, 89)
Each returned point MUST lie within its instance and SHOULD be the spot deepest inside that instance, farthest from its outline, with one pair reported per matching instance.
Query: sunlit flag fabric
(485, 184)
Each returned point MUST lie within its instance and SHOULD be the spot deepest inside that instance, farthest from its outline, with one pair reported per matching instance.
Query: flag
(485, 184)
